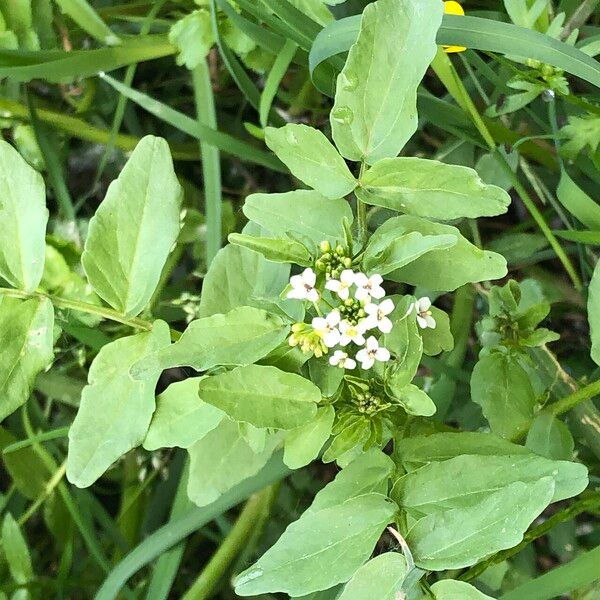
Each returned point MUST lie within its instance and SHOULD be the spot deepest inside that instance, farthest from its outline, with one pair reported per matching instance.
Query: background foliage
(202, 91)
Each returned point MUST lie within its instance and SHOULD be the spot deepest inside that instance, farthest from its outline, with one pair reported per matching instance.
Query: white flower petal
(385, 325)
(377, 292)
(367, 363)
(347, 277)
(424, 304)
(376, 279)
(344, 293)
(331, 338)
(319, 323)
(411, 307)
(309, 277)
(371, 309)
(350, 363)
(382, 354)
(333, 285)
(387, 306)
(362, 294)
(312, 295)
(422, 322)
(333, 318)
(430, 321)
(372, 344)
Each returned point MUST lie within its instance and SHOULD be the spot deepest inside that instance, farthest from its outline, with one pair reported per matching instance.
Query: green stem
(361, 212)
(204, 586)
(571, 401)
(539, 219)
(84, 307)
(567, 514)
(211, 168)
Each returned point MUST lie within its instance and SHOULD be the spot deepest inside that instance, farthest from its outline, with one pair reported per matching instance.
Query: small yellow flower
(453, 8)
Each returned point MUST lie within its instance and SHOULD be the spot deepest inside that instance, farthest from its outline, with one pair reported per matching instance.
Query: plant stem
(567, 514)
(218, 565)
(84, 307)
(569, 402)
(211, 167)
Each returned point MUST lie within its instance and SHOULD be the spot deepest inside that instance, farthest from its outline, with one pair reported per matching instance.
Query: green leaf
(375, 110)
(503, 389)
(367, 474)
(439, 339)
(429, 188)
(115, 410)
(311, 157)
(348, 442)
(16, 551)
(580, 572)
(239, 337)
(238, 277)
(181, 417)
(420, 450)
(27, 333)
(193, 36)
(322, 548)
(475, 33)
(88, 19)
(461, 537)
(134, 229)
(593, 311)
(222, 459)
(276, 250)
(379, 578)
(303, 444)
(23, 218)
(449, 589)
(550, 437)
(578, 203)
(467, 480)
(389, 250)
(413, 399)
(262, 396)
(406, 343)
(301, 212)
(56, 66)
(445, 269)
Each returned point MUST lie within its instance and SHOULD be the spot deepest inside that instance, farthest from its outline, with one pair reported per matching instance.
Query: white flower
(342, 285)
(352, 333)
(342, 360)
(378, 316)
(303, 286)
(327, 328)
(424, 317)
(367, 356)
(368, 287)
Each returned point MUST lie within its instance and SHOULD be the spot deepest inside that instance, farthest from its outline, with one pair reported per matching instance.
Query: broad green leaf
(239, 337)
(550, 437)
(23, 218)
(27, 333)
(405, 342)
(16, 551)
(503, 389)
(276, 250)
(460, 537)
(115, 410)
(413, 399)
(311, 157)
(305, 213)
(593, 310)
(368, 473)
(303, 444)
(389, 250)
(429, 188)
(181, 417)
(439, 339)
(221, 459)
(349, 442)
(134, 229)
(449, 589)
(237, 277)
(193, 37)
(375, 110)
(319, 550)
(467, 480)
(324, 375)
(380, 578)
(420, 450)
(445, 269)
(262, 396)
(578, 203)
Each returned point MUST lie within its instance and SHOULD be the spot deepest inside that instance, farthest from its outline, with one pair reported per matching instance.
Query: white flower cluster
(349, 322)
